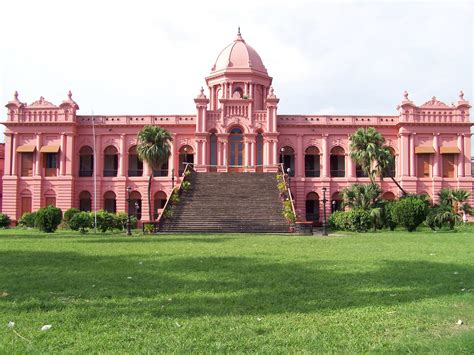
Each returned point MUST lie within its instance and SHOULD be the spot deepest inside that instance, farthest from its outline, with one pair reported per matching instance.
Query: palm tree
(360, 196)
(368, 149)
(153, 148)
(460, 197)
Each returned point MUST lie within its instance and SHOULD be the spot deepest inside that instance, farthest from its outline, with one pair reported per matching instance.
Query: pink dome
(239, 55)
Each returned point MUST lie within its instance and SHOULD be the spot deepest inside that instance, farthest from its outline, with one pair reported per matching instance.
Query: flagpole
(95, 173)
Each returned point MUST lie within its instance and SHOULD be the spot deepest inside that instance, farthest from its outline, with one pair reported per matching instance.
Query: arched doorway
(135, 165)
(135, 204)
(311, 162)
(338, 162)
(213, 152)
(110, 161)
(86, 161)
(287, 158)
(312, 207)
(236, 150)
(158, 203)
(85, 201)
(259, 155)
(110, 202)
(186, 155)
(388, 196)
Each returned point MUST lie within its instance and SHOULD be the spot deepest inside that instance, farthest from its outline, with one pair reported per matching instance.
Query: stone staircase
(228, 202)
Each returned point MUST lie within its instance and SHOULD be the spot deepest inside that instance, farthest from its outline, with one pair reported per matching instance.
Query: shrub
(81, 221)
(121, 219)
(409, 212)
(70, 213)
(27, 220)
(387, 215)
(4, 221)
(288, 212)
(185, 185)
(440, 216)
(48, 219)
(356, 220)
(106, 221)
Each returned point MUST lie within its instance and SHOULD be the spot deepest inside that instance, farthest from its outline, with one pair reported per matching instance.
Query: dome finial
(238, 31)
(239, 36)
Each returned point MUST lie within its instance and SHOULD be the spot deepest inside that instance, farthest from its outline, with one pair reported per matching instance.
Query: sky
(151, 57)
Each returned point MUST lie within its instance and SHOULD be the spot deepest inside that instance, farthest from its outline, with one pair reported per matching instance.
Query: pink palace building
(49, 149)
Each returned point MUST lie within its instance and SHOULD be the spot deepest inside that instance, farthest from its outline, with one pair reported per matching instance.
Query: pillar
(98, 157)
(8, 153)
(299, 163)
(15, 138)
(412, 155)
(351, 166)
(172, 157)
(38, 155)
(436, 162)
(224, 154)
(62, 166)
(325, 159)
(404, 154)
(253, 153)
(123, 155)
(461, 166)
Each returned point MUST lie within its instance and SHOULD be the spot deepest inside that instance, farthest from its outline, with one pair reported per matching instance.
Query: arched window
(86, 161)
(135, 165)
(388, 196)
(159, 202)
(50, 198)
(238, 93)
(85, 201)
(110, 202)
(312, 207)
(213, 152)
(336, 202)
(186, 155)
(135, 204)
(162, 169)
(259, 153)
(110, 161)
(311, 162)
(390, 170)
(287, 158)
(338, 162)
(236, 149)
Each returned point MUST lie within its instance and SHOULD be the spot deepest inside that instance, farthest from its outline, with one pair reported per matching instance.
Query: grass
(374, 292)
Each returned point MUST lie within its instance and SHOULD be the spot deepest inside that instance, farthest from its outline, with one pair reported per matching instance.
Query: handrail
(285, 176)
(187, 168)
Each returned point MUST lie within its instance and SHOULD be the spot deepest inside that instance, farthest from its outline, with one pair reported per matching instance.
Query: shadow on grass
(214, 286)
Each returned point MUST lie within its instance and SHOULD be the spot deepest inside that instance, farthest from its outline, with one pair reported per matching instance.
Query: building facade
(52, 154)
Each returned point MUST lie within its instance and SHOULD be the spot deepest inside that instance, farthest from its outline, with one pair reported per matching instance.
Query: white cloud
(152, 57)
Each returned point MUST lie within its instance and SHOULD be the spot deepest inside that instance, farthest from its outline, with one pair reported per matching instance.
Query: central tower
(236, 126)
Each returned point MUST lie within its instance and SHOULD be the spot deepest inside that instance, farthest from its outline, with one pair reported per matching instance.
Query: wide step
(228, 203)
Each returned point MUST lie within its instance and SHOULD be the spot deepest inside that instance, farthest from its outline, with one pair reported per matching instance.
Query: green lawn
(388, 291)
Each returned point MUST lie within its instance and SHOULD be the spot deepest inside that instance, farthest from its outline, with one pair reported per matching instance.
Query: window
(338, 162)
(110, 202)
(26, 164)
(85, 201)
(312, 207)
(86, 161)
(162, 170)
(51, 164)
(424, 165)
(360, 172)
(50, 201)
(449, 166)
(135, 165)
(390, 170)
(311, 162)
(110, 161)
(213, 152)
(287, 158)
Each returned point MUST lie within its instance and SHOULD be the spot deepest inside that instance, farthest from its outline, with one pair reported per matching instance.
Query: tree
(359, 196)
(455, 200)
(154, 149)
(368, 150)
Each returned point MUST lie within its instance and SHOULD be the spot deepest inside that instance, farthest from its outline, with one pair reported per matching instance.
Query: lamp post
(325, 226)
(282, 161)
(333, 205)
(129, 200)
(288, 171)
(185, 157)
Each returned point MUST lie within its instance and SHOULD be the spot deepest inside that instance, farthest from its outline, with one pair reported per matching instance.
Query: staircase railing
(287, 187)
(176, 190)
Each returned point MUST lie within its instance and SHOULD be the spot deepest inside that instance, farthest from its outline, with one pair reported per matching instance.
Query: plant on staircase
(288, 212)
(153, 148)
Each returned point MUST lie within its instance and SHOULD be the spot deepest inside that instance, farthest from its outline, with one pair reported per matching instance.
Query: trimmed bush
(356, 220)
(48, 219)
(106, 221)
(409, 212)
(27, 220)
(121, 219)
(4, 221)
(387, 215)
(70, 213)
(81, 221)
